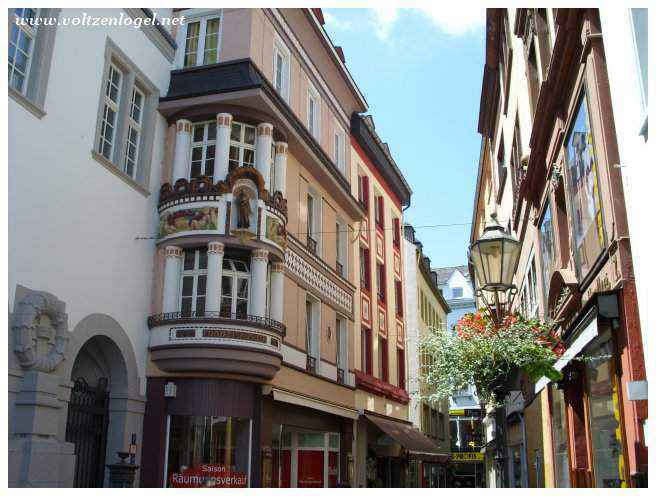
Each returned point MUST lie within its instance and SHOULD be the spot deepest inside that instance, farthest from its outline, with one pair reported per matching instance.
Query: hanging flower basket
(488, 355)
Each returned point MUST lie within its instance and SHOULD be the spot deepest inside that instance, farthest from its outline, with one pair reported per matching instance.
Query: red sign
(208, 475)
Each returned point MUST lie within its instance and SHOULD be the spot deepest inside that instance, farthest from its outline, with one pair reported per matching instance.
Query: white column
(172, 271)
(214, 272)
(182, 147)
(259, 261)
(277, 290)
(263, 143)
(280, 167)
(222, 151)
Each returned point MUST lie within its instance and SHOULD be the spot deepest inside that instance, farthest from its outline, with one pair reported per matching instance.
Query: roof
(364, 132)
(444, 273)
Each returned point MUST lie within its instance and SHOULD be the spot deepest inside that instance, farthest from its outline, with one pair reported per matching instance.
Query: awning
(575, 347)
(418, 445)
(301, 400)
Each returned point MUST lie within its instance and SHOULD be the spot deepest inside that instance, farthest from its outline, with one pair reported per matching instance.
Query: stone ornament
(215, 247)
(40, 330)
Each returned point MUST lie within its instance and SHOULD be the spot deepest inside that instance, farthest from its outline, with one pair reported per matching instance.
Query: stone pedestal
(36, 457)
(122, 474)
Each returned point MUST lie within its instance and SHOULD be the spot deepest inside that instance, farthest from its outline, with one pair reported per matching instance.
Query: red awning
(418, 445)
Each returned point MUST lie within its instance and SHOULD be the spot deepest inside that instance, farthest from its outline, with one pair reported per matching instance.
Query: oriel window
(203, 149)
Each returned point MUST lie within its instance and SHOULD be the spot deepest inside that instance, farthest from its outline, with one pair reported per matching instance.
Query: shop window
(208, 452)
(234, 289)
(366, 349)
(559, 433)
(583, 188)
(203, 146)
(242, 145)
(383, 359)
(194, 282)
(605, 430)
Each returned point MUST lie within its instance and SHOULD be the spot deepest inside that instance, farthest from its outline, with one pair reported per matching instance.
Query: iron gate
(86, 426)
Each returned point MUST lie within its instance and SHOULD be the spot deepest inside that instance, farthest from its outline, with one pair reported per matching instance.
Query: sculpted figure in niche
(243, 211)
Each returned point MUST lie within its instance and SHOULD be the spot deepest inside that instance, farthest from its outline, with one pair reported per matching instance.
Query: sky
(421, 70)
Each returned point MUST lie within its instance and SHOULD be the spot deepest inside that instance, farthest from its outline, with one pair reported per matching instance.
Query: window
(398, 298)
(529, 298)
(400, 363)
(314, 113)
(383, 359)
(380, 281)
(126, 116)
(194, 282)
(113, 86)
(342, 348)
(533, 78)
(203, 146)
(134, 132)
(242, 146)
(201, 41)
(281, 69)
(340, 153)
(312, 224)
(234, 289)
(341, 237)
(312, 336)
(583, 187)
(456, 292)
(501, 166)
(559, 434)
(379, 211)
(547, 251)
(21, 47)
(365, 279)
(363, 191)
(366, 350)
(397, 232)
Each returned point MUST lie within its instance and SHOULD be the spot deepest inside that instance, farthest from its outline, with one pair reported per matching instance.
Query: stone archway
(104, 377)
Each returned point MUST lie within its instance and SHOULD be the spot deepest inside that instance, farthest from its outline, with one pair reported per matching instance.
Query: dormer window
(201, 38)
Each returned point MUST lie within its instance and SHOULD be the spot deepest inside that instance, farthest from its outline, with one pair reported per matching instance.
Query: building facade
(548, 171)
(425, 309)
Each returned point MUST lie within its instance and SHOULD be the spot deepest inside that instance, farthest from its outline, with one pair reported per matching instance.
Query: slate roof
(444, 273)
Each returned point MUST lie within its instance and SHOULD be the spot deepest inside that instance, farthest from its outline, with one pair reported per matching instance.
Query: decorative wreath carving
(40, 344)
(277, 202)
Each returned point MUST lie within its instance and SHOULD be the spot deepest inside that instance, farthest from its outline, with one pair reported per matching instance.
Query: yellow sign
(467, 457)
(457, 412)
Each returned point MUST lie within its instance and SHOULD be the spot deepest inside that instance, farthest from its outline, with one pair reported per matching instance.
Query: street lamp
(494, 257)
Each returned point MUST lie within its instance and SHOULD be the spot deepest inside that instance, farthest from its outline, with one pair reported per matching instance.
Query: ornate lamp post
(494, 257)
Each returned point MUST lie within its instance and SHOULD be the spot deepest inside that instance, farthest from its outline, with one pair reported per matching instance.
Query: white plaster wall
(412, 328)
(636, 165)
(72, 223)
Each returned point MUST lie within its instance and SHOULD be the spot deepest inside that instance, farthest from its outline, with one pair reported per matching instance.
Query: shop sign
(208, 475)
(467, 457)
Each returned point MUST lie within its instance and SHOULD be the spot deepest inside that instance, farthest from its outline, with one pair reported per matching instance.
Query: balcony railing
(312, 245)
(216, 318)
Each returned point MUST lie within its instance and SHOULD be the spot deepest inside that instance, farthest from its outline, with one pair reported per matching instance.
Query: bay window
(201, 41)
(235, 281)
(203, 149)
(583, 188)
(242, 146)
(194, 282)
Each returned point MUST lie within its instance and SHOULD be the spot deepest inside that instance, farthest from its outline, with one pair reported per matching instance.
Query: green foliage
(478, 351)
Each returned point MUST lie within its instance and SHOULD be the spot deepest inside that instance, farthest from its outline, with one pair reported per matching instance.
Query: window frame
(313, 329)
(30, 32)
(280, 48)
(383, 358)
(202, 16)
(114, 106)
(137, 126)
(196, 273)
(204, 145)
(341, 334)
(366, 350)
(314, 118)
(339, 148)
(242, 145)
(341, 246)
(235, 275)
(381, 276)
(365, 268)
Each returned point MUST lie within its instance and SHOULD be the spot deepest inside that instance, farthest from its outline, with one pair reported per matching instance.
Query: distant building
(456, 287)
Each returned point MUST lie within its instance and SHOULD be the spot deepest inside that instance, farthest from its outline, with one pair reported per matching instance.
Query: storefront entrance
(304, 458)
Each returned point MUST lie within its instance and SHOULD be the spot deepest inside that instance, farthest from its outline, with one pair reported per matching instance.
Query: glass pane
(583, 187)
(202, 258)
(200, 306)
(249, 135)
(311, 440)
(211, 131)
(226, 286)
(199, 132)
(196, 153)
(242, 308)
(227, 264)
(249, 157)
(235, 132)
(559, 429)
(607, 455)
(187, 285)
(191, 46)
(202, 284)
(189, 259)
(242, 288)
(333, 440)
(208, 451)
(185, 306)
